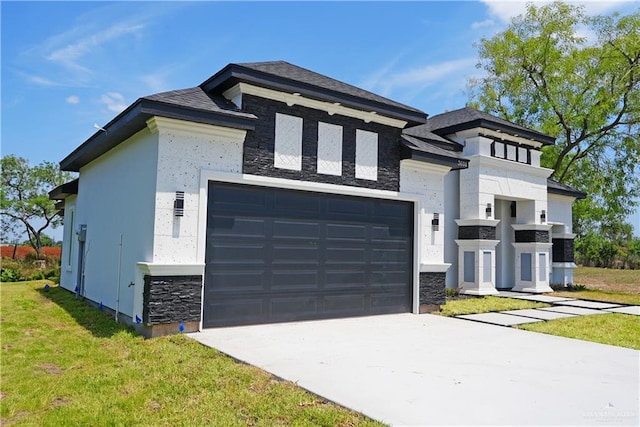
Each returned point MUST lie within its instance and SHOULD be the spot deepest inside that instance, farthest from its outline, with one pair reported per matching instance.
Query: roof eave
(576, 194)
(234, 73)
(134, 119)
(65, 190)
(487, 124)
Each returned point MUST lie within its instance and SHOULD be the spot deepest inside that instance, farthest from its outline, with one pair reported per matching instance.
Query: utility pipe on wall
(118, 281)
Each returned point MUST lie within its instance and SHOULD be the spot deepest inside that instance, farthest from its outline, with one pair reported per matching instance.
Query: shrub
(9, 275)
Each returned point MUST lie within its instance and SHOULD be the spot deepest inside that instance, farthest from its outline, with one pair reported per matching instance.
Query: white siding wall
(452, 212)
(116, 196)
(427, 182)
(184, 151)
(560, 211)
(69, 257)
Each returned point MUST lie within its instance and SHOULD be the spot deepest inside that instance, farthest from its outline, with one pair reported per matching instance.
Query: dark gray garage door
(276, 255)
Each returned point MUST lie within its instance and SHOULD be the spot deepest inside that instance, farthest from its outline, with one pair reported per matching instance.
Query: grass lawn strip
(65, 363)
(602, 296)
(486, 305)
(615, 329)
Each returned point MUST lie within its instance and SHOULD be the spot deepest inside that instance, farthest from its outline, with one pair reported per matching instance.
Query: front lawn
(608, 279)
(615, 329)
(604, 296)
(65, 363)
(485, 305)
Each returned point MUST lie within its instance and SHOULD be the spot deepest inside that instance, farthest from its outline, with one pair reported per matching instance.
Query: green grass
(610, 276)
(65, 363)
(485, 305)
(614, 329)
(604, 296)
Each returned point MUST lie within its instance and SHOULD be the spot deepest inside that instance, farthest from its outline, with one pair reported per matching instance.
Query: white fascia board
(434, 268)
(563, 236)
(425, 166)
(154, 269)
(540, 227)
(296, 99)
(509, 165)
(477, 221)
(162, 125)
(490, 133)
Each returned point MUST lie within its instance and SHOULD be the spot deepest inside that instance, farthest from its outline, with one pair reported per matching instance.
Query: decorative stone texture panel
(525, 236)
(432, 288)
(481, 232)
(563, 250)
(288, 142)
(329, 149)
(171, 299)
(259, 147)
(366, 155)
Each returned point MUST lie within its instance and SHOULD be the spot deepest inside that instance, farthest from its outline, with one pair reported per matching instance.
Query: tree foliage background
(577, 78)
(24, 200)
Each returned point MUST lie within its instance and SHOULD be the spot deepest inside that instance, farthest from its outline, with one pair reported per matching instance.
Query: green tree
(24, 199)
(541, 73)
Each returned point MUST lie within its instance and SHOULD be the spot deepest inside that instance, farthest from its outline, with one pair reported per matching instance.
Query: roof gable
(469, 118)
(283, 76)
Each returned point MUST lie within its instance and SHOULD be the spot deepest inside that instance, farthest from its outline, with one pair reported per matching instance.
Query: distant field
(7, 251)
(607, 279)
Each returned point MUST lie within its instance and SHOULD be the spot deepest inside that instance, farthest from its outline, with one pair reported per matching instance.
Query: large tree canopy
(24, 199)
(576, 78)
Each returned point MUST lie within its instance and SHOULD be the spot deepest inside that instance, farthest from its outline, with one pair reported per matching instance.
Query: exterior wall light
(543, 216)
(435, 222)
(488, 210)
(178, 204)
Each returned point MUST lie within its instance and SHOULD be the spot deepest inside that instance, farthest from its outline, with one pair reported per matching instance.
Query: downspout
(118, 281)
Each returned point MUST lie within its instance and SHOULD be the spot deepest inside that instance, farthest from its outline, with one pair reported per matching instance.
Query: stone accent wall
(562, 250)
(528, 236)
(476, 232)
(432, 288)
(171, 299)
(259, 146)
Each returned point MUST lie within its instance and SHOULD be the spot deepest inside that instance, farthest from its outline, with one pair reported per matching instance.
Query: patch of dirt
(154, 405)
(50, 368)
(2, 395)
(600, 285)
(59, 401)
(7, 347)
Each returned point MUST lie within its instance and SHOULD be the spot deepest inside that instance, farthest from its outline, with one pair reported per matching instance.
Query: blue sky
(68, 65)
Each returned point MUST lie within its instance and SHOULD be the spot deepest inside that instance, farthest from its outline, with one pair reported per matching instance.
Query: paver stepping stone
(580, 311)
(539, 314)
(543, 298)
(589, 304)
(499, 319)
(634, 309)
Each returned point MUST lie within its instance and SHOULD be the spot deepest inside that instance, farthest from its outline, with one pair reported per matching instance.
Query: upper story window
(366, 155)
(513, 152)
(288, 142)
(329, 149)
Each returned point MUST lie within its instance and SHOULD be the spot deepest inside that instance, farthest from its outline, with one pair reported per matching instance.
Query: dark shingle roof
(424, 132)
(434, 153)
(467, 118)
(283, 76)
(556, 187)
(195, 98)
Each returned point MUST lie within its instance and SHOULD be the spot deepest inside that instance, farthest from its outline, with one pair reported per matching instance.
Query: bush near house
(21, 263)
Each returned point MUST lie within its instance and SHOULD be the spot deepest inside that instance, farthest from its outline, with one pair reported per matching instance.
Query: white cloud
(428, 75)
(114, 101)
(73, 99)
(482, 24)
(41, 81)
(69, 55)
(504, 10)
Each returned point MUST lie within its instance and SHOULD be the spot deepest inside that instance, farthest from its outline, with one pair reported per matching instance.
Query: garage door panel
(243, 228)
(278, 255)
(296, 230)
(293, 307)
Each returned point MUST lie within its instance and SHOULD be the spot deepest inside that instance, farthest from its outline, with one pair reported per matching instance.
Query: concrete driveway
(428, 370)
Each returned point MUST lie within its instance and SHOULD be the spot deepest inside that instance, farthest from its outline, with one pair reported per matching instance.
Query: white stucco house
(272, 193)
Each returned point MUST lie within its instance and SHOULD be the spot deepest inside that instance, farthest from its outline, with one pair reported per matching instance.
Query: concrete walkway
(561, 307)
(421, 370)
